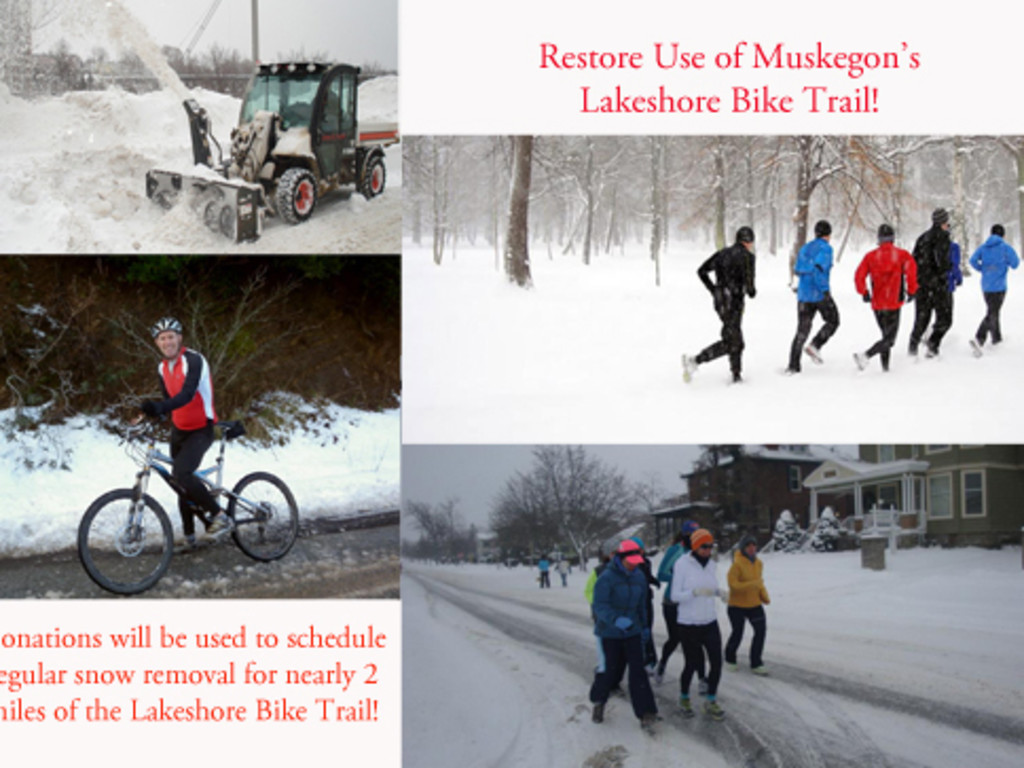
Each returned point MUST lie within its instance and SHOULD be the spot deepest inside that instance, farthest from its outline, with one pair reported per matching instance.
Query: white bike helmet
(165, 324)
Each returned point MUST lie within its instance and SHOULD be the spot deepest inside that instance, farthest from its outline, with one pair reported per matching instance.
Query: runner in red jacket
(188, 396)
(888, 267)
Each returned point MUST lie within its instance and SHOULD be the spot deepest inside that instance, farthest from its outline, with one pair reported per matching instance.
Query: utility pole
(256, 31)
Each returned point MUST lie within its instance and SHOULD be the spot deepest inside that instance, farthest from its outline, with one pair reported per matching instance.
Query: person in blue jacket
(545, 572)
(620, 605)
(813, 266)
(993, 259)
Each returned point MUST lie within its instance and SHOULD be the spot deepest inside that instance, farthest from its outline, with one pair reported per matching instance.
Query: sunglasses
(704, 546)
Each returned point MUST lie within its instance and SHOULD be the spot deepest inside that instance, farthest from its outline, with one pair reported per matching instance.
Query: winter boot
(647, 722)
(597, 712)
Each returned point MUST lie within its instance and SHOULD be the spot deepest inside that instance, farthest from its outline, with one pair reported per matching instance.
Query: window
(888, 496)
(940, 497)
(886, 453)
(973, 492)
(794, 479)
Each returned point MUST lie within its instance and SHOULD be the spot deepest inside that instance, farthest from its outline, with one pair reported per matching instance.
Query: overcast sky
(475, 474)
(351, 31)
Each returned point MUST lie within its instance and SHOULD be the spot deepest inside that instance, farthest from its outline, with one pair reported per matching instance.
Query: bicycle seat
(231, 429)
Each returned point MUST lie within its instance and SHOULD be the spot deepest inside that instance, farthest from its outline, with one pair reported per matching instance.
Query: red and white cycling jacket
(188, 389)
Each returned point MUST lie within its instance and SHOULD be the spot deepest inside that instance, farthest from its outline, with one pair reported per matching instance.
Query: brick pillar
(872, 553)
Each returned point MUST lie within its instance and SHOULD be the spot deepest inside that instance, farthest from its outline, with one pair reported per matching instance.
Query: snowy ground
(346, 466)
(592, 355)
(73, 169)
(919, 665)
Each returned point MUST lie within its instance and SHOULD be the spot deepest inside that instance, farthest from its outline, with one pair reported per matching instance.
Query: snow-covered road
(497, 672)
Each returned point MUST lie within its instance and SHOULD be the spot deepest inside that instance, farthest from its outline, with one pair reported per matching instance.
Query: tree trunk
(588, 230)
(657, 221)
(517, 238)
(719, 187)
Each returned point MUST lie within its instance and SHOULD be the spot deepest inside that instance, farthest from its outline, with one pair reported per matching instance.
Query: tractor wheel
(296, 195)
(373, 177)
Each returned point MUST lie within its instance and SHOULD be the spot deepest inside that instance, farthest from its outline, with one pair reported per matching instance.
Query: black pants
(620, 653)
(805, 312)
(545, 579)
(731, 343)
(698, 640)
(939, 301)
(187, 450)
(737, 618)
(889, 322)
(990, 325)
(671, 613)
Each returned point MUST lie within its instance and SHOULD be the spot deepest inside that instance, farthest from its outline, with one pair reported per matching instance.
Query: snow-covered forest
(597, 194)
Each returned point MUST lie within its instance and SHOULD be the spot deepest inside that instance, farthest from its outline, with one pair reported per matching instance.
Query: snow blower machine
(297, 139)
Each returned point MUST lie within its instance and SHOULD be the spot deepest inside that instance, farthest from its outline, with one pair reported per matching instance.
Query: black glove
(752, 292)
(867, 297)
(718, 297)
(149, 408)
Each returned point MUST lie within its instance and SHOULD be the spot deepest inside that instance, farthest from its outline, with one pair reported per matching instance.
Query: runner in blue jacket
(993, 259)
(814, 265)
(620, 613)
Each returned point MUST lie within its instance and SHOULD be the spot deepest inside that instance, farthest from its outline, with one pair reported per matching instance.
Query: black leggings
(889, 323)
(618, 654)
(990, 325)
(698, 640)
(187, 450)
(737, 618)
(805, 312)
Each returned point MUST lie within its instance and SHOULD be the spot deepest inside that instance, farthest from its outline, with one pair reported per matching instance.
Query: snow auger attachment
(232, 207)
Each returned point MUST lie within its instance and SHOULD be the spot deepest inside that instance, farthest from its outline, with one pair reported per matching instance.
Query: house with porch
(953, 495)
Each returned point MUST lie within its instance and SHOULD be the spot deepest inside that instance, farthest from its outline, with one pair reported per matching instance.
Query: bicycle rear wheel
(125, 546)
(265, 514)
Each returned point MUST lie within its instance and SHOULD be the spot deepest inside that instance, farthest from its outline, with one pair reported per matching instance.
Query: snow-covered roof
(806, 453)
(836, 473)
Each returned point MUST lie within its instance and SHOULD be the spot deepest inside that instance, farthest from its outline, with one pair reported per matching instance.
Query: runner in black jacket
(733, 269)
(931, 252)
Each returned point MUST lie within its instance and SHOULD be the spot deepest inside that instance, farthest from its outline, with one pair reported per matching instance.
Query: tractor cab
(320, 98)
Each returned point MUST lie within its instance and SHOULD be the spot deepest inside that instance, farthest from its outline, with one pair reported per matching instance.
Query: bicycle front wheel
(266, 516)
(125, 546)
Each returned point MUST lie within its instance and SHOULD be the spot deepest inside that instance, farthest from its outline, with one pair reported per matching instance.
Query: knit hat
(998, 229)
(940, 216)
(886, 234)
(746, 541)
(638, 540)
(744, 235)
(822, 229)
(630, 552)
(699, 537)
(689, 526)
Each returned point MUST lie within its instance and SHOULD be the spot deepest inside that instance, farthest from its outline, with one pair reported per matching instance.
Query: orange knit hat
(700, 536)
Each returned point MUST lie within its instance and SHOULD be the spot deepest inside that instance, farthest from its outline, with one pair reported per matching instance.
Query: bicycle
(125, 538)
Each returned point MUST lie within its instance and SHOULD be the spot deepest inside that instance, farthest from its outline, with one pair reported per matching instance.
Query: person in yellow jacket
(747, 598)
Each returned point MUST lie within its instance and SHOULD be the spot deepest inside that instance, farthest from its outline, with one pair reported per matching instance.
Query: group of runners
(887, 278)
(621, 606)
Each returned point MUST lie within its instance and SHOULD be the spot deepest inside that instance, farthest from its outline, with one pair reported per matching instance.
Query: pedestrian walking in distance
(993, 260)
(893, 275)
(733, 270)
(813, 296)
(694, 589)
(747, 598)
(544, 565)
(620, 606)
(931, 254)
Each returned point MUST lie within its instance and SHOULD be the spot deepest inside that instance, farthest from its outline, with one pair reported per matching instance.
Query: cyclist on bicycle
(188, 396)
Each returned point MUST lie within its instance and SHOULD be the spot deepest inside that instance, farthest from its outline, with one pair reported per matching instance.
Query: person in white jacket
(695, 588)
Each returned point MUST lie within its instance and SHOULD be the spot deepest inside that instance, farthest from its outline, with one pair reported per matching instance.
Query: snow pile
(591, 354)
(73, 167)
(345, 462)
